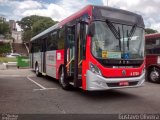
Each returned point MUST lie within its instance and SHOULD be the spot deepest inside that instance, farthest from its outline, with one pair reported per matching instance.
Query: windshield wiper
(115, 32)
(129, 35)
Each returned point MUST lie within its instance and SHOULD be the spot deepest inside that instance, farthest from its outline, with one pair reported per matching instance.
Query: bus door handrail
(79, 63)
(70, 62)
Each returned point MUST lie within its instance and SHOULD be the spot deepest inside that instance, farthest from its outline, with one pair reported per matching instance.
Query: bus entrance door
(70, 51)
(73, 59)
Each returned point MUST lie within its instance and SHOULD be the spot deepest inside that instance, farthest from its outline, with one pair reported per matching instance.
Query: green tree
(150, 31)
(5, 48)
(27, 35)
(41, 25)
(4, 28)
(32, 25)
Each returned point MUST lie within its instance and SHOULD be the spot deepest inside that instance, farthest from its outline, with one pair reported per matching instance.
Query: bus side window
(37, 46)
(52, 41)
(31, 48)
(61, 39)
(41, 47)
(83, 31)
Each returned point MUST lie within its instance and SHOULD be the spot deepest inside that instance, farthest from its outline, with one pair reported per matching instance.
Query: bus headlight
(95, 69)
(144, 70)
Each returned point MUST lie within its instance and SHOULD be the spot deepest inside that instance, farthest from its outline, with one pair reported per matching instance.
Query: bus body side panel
(84, 68)
(37, 58)
(41, 66)
(51, 63)
(152, 60)
(59, 61)
(85, 63)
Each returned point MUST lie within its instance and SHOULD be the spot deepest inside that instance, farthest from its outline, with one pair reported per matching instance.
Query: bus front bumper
(97, 82)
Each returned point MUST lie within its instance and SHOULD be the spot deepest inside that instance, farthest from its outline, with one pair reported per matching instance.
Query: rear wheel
(38, 74)
(154, 75)
(63, 82)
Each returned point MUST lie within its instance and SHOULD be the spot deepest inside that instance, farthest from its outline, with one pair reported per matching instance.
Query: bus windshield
(117, 41)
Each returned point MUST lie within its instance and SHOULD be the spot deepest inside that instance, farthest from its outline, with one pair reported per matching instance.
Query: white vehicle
(12, 55)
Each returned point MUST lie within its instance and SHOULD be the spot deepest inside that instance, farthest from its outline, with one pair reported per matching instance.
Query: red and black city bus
(97, 48)
(153, 57)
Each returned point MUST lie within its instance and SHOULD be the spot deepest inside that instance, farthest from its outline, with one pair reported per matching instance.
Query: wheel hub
(154, 75)
(37, 70)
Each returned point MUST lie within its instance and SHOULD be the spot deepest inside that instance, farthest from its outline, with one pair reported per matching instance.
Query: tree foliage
(4, 28)
(27, 35)
(150, 31)
(5, 48)
(32, 25)
(41, 25)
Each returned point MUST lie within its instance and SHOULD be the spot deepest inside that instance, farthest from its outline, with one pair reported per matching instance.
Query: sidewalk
(21, 72)
(9, 65)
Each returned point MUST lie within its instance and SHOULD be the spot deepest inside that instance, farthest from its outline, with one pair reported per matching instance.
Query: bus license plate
(123, 83)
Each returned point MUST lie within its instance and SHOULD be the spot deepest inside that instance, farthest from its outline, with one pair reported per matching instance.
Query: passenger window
(52, 41)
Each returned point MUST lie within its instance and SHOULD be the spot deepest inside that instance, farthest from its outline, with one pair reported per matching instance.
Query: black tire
(64, 83)
(154, 75)
(38, 74)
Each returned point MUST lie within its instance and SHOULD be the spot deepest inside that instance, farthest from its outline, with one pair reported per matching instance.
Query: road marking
(45, 89)
(36, 82)
(16, 75)
(41, 86)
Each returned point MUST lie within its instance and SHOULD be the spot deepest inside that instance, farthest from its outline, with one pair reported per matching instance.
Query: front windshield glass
(106, 45)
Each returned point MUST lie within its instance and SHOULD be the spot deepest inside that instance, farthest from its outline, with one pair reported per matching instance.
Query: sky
(60, 9)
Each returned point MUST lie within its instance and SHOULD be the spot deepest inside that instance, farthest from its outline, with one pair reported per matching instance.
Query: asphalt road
(21, 92)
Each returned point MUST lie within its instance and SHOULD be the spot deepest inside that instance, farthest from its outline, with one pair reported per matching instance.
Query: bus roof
(46, 31)
(152, 36)
(97, 15)
(86, 9)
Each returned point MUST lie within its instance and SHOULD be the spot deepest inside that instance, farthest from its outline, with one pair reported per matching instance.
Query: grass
(5, 60)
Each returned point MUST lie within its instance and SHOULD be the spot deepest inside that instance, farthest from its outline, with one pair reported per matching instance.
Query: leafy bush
(5, 48)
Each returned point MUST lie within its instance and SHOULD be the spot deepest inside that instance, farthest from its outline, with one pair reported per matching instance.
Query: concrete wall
(17, 35)
(3, 66)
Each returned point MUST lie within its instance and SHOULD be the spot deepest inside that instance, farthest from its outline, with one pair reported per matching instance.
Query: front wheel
(154, 75)
(63, 82)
